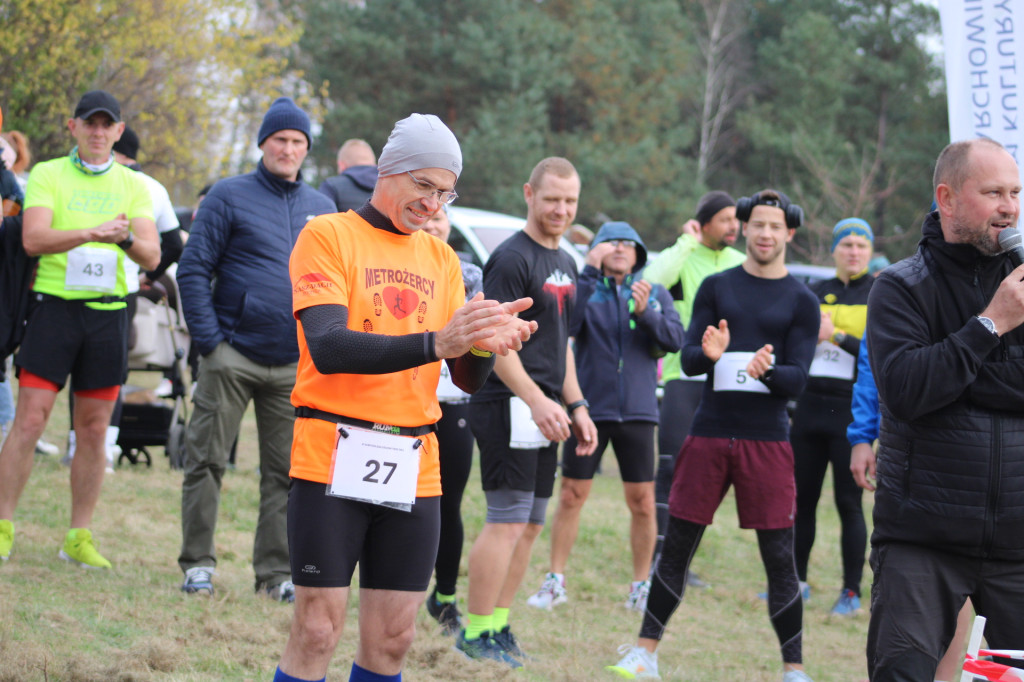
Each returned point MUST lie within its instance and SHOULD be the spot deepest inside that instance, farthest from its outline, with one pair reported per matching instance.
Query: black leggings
(455, 442)
(818, 438)
(785, 606)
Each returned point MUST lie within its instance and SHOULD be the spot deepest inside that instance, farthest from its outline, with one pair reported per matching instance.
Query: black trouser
(678, 405)
(818, 437)
(455, 443)
(916, 596)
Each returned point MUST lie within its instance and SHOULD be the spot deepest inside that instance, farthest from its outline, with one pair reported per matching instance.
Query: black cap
(128, 144)
(98, 100)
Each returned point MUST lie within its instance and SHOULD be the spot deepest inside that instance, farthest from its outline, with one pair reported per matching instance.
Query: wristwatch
(127, 242)
(838, 337)
(571, 407)
(988, 324)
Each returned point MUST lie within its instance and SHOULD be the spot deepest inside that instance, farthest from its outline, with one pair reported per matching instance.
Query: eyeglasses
(627, 243)
(428, 189)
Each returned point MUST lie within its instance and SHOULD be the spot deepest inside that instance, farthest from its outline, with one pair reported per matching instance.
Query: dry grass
(133, 624)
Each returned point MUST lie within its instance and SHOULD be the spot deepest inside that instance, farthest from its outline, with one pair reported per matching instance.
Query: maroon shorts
(761, 471)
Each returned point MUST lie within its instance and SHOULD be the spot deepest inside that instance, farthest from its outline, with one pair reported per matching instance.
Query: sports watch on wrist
(571, 407)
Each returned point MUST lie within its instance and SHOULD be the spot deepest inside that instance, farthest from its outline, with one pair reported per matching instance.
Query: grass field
(61, 623)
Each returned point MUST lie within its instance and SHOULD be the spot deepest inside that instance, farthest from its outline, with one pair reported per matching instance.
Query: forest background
(839, 103)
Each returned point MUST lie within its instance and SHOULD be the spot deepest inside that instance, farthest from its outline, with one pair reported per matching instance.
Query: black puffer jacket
(951, 453)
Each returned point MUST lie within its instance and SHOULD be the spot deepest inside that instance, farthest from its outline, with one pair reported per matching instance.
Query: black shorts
(328, 535)
(633, 443)
(67, 337)
(503, 467)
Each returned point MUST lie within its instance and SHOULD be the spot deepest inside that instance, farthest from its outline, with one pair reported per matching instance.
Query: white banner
(984, 45)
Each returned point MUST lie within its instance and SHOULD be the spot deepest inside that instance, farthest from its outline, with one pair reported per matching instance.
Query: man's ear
(944, 198)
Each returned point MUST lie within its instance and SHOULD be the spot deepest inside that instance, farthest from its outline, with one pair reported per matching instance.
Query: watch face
(989, 324)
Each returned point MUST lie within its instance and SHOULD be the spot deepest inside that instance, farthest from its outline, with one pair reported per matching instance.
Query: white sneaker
(198, 580)
(796, 676)
(638, 593)
(637, 664)
(44, 448)
(551, 593)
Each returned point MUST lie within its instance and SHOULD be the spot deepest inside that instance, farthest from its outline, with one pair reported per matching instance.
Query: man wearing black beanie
(237, 296)
(704, 248)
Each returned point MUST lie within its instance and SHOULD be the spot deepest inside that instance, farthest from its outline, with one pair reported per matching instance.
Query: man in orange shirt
(379, 304)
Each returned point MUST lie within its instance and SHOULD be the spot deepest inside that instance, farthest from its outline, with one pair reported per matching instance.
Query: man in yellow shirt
(84, 214)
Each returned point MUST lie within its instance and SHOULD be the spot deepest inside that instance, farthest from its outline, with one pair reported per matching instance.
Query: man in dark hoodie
(237, 296)
(357, 176)
(947, 351)
(621, 324)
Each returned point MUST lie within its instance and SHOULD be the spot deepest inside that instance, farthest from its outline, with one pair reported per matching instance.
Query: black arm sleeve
(469, 372)
(170, 251)
(336, 349)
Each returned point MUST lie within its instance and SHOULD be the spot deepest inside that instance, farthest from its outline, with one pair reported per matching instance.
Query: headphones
(794, 214)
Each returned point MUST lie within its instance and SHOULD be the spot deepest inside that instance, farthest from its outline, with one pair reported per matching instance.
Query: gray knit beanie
(420, 141)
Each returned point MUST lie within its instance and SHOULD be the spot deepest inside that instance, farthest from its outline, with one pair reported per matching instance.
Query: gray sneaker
(198, 580)
(796, 676)
(283, 592)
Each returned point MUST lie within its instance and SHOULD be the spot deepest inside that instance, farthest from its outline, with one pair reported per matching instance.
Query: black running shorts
(67, 337)
(503, 467)
(328, 535)
(633, 443)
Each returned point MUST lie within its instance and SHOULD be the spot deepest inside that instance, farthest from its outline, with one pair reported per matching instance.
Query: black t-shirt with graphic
(521, 267)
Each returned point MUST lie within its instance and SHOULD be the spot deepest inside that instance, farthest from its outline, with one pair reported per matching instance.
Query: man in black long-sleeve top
(753, 331)
(948, 353)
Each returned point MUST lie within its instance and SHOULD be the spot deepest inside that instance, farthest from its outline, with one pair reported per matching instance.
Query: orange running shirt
(391, 284)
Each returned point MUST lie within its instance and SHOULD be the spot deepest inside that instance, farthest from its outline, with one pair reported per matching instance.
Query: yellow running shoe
(6, 538)
(79, 549)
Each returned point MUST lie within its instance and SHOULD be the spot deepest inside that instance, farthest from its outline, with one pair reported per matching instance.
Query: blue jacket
(233, 273)
(617, 350)
(864, 427)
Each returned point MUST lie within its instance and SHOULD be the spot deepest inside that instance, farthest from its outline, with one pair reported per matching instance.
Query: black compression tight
(455, 441)
(785, 607)
(785, 604)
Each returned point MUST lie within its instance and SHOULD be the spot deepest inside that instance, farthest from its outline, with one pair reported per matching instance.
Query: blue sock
(363, 675)
(280, 676)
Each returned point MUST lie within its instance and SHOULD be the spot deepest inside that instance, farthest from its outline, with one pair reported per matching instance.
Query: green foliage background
(836, 102)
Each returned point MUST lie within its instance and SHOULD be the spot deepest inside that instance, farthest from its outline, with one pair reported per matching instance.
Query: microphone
(1011, 242)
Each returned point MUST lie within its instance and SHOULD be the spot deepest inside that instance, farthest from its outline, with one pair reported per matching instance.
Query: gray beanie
(284, 114)
(420, 141)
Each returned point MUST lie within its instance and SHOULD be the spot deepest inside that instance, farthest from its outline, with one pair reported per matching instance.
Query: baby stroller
(159, 342)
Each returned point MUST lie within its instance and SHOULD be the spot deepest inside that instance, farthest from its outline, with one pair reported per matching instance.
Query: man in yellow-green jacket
(704, 248)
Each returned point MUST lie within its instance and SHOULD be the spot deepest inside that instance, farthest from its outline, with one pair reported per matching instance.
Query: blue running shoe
(484, 648)
(847, 605)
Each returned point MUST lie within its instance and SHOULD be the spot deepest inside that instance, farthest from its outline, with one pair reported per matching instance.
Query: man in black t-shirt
(518, 416)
